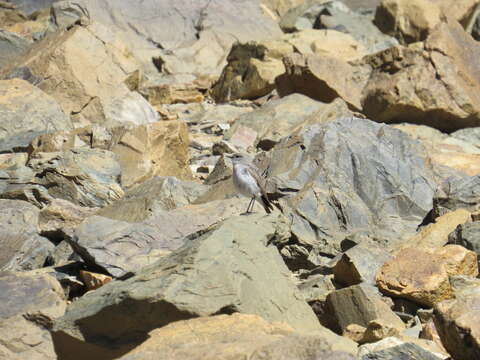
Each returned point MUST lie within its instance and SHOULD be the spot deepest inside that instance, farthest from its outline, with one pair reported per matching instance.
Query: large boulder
(28, 306)
(421, 84)
(345, 177)
(125, 246)
(22, 247)
(27, 112)
(278, 118)
(226, 270)
(84, 70)
(11, 46)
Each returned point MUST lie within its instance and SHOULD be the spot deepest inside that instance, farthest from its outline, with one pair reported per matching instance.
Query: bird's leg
(252, 201)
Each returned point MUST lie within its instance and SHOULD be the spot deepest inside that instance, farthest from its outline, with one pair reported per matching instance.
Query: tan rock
(458, 323)
(429, 332)
(436, 234)
(233, 336)
(93, 280)
(458, 260)
(158, 149)
(279, 7)
(354, 332)
(13, 160)
(434, 83)
(424, 282)
(378, 329)
(316, 77)
(84, 70)
(408, 20)
(172, 94)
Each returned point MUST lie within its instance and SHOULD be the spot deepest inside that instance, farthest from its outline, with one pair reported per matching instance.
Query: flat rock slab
(21, 121)
(238, 335)
(121, 247)
(28, 305)
(405, 351)
(226, 270)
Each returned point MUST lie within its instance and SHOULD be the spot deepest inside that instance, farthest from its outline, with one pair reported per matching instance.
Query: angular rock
(457, 193)
(360, 304)
(195, 37)
(11, 46)
(360, 264)
(92, 280)
(345, 177)
(120, 247)
(406, 350)
(279, 118)
(159, 149)
(438, 96)
(409, 21)
(426, 282)
(21, 122)
(457, 322)
(28, 306)
(280, 7)
(86, 78)
(86, 177)
(158, 193)
(22, 247)
(237, 335)
(468, 236)
(437, 234)
(225, 270)
(28, 7)
(253, 67)
(315, 77)
(316, 287)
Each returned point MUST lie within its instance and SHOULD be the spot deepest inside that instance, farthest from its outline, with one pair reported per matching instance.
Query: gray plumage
(249, 182)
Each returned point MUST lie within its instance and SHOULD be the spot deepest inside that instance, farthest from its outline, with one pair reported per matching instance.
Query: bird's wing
(254, 173)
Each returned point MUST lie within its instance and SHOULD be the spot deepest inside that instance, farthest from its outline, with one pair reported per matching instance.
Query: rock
(195, 37)
(467, 235)
(314, 76)
(253, 67)
(360, 304)
(11, 46)
(87, 77)
(28, 7)
(158, 193)
(85, 177)
(92, 280)
(237, 335)
(425, 282)
(457, 322)
(354, 332)
(438, 97)
(28, 306)
(22, 122)
(316, 287)
(159, 149)
(409, 21)
(378, 329)
(429, 332)
(171, 93)
(476, 29)
(22, 247)
(405, 350)
(334, 15)
(457, 151)
(470, 135)
(278, 118)
(463, 192)
(121, 247)
(337, 179)
(224, 270)
(60, 218)
(360, 264)
(279, 7)
(68, 13)
(436, 234)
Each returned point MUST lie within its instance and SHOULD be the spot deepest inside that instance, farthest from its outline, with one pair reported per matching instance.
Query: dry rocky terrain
(121, 233)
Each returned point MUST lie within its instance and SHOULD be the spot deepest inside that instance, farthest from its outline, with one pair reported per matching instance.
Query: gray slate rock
(349, 176)
(28, 7)
(158, 193)
(407, 351)
(11, 46)
(456, 193)
(121, 247)
(226, 270)
(22, 247)
(27, 112)
(83, 176)
(468, 236)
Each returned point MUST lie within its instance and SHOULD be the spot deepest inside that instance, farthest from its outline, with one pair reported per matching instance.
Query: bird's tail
(267, 205)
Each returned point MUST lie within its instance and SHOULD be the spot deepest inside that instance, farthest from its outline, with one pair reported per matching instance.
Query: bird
(249, 182)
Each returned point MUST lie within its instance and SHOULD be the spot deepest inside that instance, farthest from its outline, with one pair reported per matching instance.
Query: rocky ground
(122, 236)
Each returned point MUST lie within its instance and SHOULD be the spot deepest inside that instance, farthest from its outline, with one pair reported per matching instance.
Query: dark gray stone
(407, 351)
(468, 236)
(345, 177)
(226, 270)
(456, 193)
